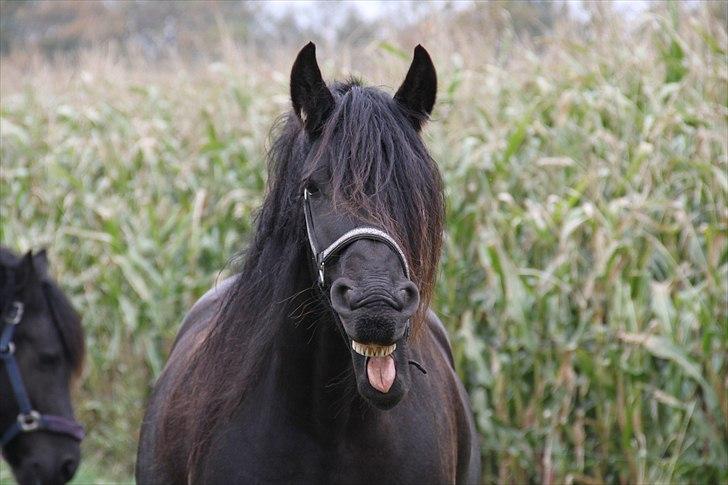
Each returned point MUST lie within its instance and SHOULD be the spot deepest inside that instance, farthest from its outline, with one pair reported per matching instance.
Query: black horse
(41, 352)
(320, 362)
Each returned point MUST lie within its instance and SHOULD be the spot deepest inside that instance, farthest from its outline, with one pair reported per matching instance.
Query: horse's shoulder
(191, 335)
(468, 454)
(439, 333)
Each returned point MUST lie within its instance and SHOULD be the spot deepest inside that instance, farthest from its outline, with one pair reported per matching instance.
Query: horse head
(41, 346)
(372, 201)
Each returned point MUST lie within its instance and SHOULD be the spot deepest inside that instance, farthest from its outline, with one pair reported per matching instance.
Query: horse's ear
(417, 92)
(312, 100)
(26, 269)
(40, 262)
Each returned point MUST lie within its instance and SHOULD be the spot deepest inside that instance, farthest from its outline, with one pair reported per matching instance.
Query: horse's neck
(315, 370)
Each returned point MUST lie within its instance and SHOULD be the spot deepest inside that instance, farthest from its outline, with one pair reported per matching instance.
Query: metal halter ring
(7, 351)
(16, 314)
(30, 421)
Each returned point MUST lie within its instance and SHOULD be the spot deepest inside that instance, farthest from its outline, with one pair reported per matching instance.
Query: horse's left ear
(311, 98)
(40, 262)
(417, 92)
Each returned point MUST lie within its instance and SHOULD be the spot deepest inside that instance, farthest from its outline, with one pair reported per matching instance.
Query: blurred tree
(531, 17)
(719, 11)
(193, 28)
(355, 30)
(9, 26)
(62, 26)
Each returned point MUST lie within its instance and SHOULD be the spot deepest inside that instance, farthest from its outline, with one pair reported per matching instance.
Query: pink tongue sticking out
(381, 373)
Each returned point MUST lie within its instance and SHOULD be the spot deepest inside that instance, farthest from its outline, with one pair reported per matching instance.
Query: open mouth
(371, 350)
(380, 365)
(380, 354)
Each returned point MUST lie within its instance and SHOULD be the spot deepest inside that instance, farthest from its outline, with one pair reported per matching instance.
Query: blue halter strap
(28, 419)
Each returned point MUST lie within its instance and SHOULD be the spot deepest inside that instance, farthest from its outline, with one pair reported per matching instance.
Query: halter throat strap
(364, 232)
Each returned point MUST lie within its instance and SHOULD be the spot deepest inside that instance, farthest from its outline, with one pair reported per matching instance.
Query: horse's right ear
(312, 100)
(40, 262)
(26, 269)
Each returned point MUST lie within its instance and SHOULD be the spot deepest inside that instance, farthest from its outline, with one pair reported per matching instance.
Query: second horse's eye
(312, 188)
(48, 359)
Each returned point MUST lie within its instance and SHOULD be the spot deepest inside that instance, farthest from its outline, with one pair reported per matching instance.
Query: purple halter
(28, 420)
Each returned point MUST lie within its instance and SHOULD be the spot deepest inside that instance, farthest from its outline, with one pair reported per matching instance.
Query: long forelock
(379, 166)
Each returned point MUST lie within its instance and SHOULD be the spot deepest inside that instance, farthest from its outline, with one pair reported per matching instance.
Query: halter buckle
(321, 273)
(7, 351)
(16, 313)
(29, 422)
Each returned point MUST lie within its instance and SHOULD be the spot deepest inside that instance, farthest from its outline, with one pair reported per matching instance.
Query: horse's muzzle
(376, 312)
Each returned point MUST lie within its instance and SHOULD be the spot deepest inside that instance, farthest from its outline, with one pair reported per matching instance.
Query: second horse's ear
(417, 93)
(311, 98)
(25, 272)
(40, 262)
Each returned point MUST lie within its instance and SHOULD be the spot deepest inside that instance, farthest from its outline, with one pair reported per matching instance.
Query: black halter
(320, 257)
(28, 419)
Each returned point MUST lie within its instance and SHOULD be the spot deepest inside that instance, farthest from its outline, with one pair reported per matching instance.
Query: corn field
(584, 277)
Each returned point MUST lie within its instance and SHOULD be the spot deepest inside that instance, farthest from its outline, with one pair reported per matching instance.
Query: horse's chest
(278, 451)
(403, 458)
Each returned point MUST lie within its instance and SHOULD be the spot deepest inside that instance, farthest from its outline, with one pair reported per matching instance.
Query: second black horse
(41, 352)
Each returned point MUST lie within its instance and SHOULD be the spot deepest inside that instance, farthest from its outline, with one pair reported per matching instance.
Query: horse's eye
(312, 188)
(49, 359)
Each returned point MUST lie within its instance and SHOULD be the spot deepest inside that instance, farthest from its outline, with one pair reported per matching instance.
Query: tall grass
(584, 276)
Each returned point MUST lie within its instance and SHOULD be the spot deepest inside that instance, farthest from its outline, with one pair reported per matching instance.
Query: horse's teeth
(371, 350)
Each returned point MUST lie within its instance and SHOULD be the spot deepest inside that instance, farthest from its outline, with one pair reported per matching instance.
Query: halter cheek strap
(320, 257)
(28, 419)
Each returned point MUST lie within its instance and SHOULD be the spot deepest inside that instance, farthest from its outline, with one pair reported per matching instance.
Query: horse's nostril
(409, 297)
(68, 469)
(340, 294)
